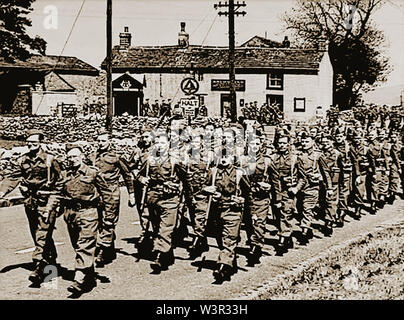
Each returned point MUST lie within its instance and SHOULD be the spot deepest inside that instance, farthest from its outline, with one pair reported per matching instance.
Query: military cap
(305, 134)
(74, 145)
(102, 131)
(35, 132)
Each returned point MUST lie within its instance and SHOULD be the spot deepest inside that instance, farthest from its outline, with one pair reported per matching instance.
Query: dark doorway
(128, 95)
(275, 99)
(127, 101)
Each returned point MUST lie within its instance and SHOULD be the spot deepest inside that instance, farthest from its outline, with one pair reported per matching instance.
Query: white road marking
(33, 248)
(136, 222)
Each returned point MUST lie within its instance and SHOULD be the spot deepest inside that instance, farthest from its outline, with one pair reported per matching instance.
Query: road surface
(128, 278)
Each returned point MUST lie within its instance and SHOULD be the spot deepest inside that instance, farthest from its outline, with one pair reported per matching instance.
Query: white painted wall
(43, 101)
(317, 89)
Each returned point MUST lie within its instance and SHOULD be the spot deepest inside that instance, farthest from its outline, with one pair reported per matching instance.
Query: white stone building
(299, 80)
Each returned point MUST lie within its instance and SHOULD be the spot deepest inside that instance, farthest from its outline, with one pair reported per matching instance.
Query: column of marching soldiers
(212, 179)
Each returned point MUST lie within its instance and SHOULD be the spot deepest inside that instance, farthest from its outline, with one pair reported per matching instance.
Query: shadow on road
(27, 266)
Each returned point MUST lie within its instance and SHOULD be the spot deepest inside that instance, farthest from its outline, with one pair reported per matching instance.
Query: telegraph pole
(232, 72)
(108, 123)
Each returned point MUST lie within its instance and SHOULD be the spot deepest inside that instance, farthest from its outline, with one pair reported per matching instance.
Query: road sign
(189, 86)
(189, 106)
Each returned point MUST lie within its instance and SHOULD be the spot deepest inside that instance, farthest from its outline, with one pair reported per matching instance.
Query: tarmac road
(128, 278)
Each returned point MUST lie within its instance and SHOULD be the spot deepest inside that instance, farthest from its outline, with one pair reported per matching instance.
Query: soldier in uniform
(197, 163)
(395, 167)
(136, 162)
(333, 159)
(111, 167)
(145, 111)
(377, 164)
(283, 172)
(385, 177)
(345, 182)
(163, 182)
(79, 190)
(362, 166)
(228, 189)
(155, 109)
(312, 168)
(36, 174)
(255, 167)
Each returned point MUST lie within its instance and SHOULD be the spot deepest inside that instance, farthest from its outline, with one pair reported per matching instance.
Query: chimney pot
(125, 39)
(183, 37)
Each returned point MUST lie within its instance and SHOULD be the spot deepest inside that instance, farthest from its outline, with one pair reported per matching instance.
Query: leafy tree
(15, 42)
(355, 43)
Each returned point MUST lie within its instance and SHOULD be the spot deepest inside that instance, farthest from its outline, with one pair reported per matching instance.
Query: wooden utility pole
(109, 68)
(232, 72)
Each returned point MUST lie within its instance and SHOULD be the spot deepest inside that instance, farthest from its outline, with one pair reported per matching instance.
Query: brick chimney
(125, 39)
(183, 37)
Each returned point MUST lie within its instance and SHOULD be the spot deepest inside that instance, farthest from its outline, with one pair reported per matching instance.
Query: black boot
(109, 254)
(254, 255)
(37, 276)
(373, 208)
(357, 214)
(163, 261)
(198, 246)
(88, 283)
(327, 229)
(283, 245)
(222, 273)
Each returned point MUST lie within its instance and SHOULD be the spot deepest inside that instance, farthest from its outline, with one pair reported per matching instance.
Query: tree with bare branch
(355, 42)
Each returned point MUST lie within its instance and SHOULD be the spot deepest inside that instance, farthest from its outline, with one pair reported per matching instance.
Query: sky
(157, 22)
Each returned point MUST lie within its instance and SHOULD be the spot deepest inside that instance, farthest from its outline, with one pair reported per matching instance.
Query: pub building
(299, 80)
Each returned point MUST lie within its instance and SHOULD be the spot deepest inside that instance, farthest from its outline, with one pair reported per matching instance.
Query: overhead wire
(63, 49)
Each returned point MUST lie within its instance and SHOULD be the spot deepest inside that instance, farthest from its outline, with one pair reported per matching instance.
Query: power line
(63, 49)
(210, 28)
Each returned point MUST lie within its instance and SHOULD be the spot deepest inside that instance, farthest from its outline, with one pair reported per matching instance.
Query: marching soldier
(162, 175)
(362, 166)
(227, 188)
(255, 167)
(136, 162)
(395, 167)
(312, 169)
(377, 164)
(346, 174)
(333, 159)
(79, 189)
(283, 171)
(197, 163)
(111, 167)
(385, 177)
(145, 111)
(37, 174)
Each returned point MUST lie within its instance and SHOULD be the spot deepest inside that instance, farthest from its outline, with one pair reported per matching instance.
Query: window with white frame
(275, 80)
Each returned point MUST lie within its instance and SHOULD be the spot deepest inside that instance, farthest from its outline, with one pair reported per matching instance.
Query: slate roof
(175, 57)
(47, 63)
(258, 41)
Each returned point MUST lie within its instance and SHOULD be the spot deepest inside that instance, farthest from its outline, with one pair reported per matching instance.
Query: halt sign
(189, 106)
